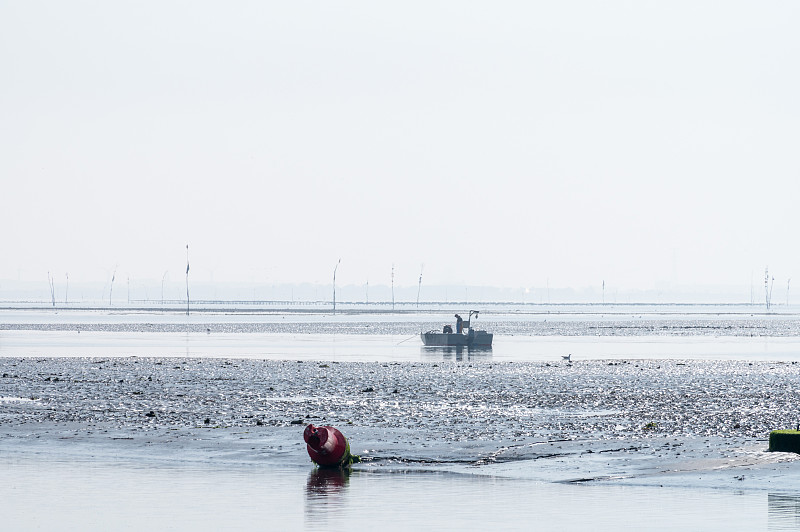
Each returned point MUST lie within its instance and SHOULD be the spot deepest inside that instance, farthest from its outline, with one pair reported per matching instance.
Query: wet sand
(659, 422)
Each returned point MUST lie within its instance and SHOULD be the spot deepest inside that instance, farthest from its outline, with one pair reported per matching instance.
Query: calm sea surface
(49, 494)
(42, 491)
(699, 332)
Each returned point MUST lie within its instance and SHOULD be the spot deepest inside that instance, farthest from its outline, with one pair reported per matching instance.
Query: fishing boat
(464, 335)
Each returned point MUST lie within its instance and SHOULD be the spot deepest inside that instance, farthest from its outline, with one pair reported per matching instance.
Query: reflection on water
(456, 352)
(323, 482)
(384, 348)
(104, 495)
(784, 512)
(325, 495)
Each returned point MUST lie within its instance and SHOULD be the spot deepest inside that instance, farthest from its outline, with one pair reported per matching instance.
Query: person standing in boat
(459, 324)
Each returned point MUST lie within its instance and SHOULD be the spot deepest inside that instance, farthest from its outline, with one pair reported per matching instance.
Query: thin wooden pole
(187, 279)
(334, 286)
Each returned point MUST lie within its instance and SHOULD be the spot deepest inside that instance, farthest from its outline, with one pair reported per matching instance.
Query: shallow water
(452, 438)
(659, 332)
(386, 348)
(98, 495)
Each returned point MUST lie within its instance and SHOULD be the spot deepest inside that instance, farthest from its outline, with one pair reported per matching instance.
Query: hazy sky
(501, 143)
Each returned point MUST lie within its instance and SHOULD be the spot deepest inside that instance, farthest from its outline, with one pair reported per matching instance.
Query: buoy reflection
(327, 481)
(326, 493)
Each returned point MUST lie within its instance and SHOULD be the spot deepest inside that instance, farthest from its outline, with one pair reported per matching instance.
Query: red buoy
(328, 447)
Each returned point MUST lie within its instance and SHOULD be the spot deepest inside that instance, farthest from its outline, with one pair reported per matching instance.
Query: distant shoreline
(402, 308)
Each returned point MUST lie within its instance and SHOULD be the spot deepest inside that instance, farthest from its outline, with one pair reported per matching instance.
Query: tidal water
(657, 332)
(89, 488)
(49, 494)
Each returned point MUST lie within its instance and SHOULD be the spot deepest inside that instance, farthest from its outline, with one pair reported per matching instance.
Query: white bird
(568, 358)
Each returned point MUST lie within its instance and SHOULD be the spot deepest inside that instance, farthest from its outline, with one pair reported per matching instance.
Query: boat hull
(472, 339)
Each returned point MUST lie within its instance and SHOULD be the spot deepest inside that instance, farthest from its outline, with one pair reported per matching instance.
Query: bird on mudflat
(568, 357)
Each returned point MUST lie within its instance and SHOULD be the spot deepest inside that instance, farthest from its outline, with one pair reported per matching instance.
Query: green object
(348, 458)
(346, 461)
(787, 441)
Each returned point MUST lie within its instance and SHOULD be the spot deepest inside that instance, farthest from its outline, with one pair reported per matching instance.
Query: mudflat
(668, 422)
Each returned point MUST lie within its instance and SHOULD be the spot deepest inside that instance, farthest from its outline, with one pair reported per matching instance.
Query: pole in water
(419, 286)
(328, 447)
(334, 285)
(787, 291)
(111, 290)
(52, 288)
(187, 279)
